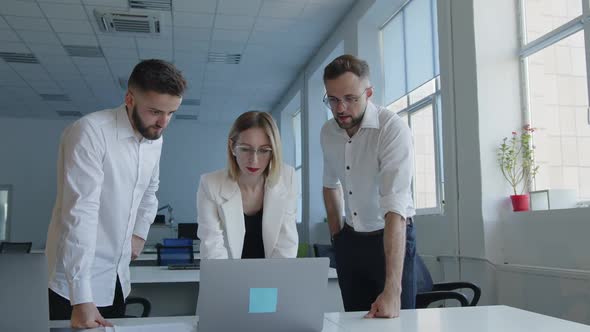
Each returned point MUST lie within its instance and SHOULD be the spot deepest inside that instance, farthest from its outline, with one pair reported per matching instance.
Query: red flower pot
(520, 202)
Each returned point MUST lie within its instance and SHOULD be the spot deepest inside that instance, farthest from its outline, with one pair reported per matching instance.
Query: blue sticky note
(263, 300)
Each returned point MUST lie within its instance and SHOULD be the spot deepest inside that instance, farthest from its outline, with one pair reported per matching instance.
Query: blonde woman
(248, 210)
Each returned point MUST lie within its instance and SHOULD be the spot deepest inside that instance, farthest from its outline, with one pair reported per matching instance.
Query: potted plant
(517, 163)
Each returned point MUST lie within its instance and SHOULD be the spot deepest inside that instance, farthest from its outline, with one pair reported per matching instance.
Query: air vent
(187, 117)
(191, 102)
(69, 114)
(151, 4)
(84, 51)
(220, 57)
(127, 22)
(18, 57)
(123, 83)
(54, 97)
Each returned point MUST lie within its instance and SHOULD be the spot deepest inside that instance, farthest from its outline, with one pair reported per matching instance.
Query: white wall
(29, 156)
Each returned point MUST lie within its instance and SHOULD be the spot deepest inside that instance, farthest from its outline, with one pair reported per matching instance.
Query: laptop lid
(24, 304)
(278, 295)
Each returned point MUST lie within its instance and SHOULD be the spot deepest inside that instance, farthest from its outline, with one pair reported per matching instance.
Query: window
(412, 90)
(298, 161)
(4, 212)
(422, 113)
(554, 59)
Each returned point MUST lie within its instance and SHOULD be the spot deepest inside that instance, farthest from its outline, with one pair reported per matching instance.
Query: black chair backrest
(423, 277)
(15, 247)
(325, 250)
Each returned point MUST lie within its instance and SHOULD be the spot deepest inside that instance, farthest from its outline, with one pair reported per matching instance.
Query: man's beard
(353, 123)
(142, 128)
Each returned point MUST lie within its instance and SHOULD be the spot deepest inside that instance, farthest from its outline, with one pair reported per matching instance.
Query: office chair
(15, 247)
(429, 292)
(175, 251)
(146, 305)
(325, 250)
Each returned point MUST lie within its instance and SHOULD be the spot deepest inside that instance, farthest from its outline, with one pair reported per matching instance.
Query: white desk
(175, 292)
(467, 319)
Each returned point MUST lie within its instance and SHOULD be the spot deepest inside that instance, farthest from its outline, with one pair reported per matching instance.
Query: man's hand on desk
(387, 305)
(86, 315)
(137, 244)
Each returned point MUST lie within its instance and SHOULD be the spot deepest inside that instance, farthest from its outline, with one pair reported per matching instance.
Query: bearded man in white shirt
(368, 157)
(107, 178)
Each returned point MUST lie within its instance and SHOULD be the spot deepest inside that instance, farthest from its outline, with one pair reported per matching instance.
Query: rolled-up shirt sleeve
(396, 167)
(330, 179)
(83, 151)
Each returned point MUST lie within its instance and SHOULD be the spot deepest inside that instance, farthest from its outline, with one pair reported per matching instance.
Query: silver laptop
(24, 303)
(262, 295)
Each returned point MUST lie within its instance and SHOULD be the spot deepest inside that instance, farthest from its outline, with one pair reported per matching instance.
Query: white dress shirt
(375, 167)
(221, 216)
(107, 178)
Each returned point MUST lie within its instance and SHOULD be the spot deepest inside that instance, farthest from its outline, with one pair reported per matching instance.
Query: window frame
(8, 188)
(550, 38)
(298, 167)
(432, 100)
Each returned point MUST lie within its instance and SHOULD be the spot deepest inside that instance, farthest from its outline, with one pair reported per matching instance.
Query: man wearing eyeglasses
(368, 157)
(107, 178)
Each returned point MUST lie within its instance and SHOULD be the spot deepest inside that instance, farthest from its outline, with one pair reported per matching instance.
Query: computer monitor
(188, 231)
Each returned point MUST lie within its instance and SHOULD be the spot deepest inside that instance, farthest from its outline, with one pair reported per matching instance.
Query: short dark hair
(158, 76)
(346, 63)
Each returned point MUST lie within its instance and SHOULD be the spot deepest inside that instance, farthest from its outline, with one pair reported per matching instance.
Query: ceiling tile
(45, 87)
(3, 24)
(42, 37)
(28, 23)
(156, 54)
(11, 78)
(74, 26)
(47, 49)
(124, 53)
(73, 2)
(275, 24)
(234, 22)
(8, 35)
(20, 8)
(227, 46)
(78, 39)
(316, 11)
(191, 34)
(108, 3)
(116, 41)
(154, 43)
(201, 6)
(184, 19)
(282, 9)
(14, 47)
(122, 67)
(230, 35)
(239, 7)
(58, 10)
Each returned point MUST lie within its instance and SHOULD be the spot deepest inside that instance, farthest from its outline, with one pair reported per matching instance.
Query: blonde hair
(264, 121)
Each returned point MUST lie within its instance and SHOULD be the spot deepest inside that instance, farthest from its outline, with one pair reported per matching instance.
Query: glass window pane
(419, 43)
(3, 213)
(558, 96)
(394, 59)
(297, 133)
(399, 104)
(423, 91)
(542, 16)
(422, 125)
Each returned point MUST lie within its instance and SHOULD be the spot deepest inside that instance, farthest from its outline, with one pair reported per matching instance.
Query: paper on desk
(168, 327)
